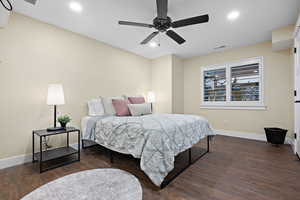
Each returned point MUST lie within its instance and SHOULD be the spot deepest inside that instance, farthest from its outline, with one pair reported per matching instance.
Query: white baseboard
(251, 136)
(21, 159)
(15, 160)
(292, 142)
(75, 146)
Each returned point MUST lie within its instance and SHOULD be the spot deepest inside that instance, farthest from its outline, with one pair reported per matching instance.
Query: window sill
(218, 107)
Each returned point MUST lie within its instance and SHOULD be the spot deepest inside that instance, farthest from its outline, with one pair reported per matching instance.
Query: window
(215, 85)
(234, 85)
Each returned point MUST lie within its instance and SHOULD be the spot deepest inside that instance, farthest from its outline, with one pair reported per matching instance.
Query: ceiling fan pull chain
(9, 8)
(159, 39)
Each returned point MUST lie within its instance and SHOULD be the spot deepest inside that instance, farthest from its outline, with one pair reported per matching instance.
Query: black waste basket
(275, 135)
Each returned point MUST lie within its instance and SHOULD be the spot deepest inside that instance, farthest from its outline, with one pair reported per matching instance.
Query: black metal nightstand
(54, 154)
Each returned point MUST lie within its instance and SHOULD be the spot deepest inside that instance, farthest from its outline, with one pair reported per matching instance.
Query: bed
(155, 139)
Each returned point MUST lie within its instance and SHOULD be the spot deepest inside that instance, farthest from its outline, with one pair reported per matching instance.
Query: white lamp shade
(55, 95)
(151, 97)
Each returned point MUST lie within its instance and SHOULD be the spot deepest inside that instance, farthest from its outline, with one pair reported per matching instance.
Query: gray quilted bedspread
(156, 139)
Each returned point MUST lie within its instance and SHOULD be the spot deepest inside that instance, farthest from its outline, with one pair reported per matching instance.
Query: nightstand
(55, 154)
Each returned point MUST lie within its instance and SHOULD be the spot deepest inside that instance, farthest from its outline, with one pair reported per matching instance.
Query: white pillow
(108, 106)
(126, 96)
(140, 109)
(95, 107)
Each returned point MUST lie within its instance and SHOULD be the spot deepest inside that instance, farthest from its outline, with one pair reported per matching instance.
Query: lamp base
(55, 129)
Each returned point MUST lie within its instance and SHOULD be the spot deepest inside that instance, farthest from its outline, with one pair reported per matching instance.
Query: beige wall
(177, 85)
(167, 83)
(162, 84)
(278, 80)
(284, 33)
(34, 54)
(283, 38)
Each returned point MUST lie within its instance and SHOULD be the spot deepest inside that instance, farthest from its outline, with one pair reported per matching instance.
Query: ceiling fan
(163, 23)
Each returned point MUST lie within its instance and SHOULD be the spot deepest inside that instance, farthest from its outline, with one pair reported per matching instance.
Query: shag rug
(97, 184)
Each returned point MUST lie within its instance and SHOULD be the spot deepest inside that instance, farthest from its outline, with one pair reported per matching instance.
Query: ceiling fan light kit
(164, 24)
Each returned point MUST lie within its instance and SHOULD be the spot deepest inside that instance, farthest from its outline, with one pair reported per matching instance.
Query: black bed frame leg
(190, 162)
(111, 156)
(190, 156)
(82, 144)
(208, 138)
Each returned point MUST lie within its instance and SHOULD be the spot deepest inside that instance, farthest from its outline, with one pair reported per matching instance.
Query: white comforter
(156, 139)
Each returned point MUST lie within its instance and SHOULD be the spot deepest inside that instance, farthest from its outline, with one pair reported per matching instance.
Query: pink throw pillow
(136, 100)
(121, 107)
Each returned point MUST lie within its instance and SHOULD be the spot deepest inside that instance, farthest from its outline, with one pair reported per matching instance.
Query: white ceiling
(99, 20)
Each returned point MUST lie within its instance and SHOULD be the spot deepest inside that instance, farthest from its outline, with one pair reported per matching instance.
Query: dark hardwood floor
(235, 169)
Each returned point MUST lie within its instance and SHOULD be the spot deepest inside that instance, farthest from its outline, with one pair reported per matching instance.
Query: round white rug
(97, 184)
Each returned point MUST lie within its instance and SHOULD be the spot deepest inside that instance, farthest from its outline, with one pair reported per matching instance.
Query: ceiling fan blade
(190, 21)
(175, 37)
(135, 24)
(149, 38)
(162, 8)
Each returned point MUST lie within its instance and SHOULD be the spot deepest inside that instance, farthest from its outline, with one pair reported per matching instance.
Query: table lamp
(151, 99)
(55, 97)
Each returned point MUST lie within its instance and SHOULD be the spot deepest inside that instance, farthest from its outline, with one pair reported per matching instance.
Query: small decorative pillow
(140, 109)
(136, 100)
(108, 106)
(121, 107)
(95, 107)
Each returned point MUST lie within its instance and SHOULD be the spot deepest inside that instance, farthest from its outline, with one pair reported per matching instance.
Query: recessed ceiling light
(75, 6)
(153, 44)
(233, 15)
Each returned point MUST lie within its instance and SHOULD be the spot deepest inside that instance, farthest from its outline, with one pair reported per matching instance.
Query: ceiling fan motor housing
(162, 24)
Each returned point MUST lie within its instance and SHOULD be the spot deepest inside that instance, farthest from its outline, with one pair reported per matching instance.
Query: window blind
(245, 82)
(215, 85)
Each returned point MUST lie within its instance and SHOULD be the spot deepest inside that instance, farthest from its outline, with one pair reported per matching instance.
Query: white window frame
(228, 104)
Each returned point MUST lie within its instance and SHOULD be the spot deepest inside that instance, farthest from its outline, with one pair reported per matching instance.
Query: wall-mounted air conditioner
(4, 16)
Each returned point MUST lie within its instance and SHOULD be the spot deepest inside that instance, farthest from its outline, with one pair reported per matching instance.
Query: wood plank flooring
(235, 169)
